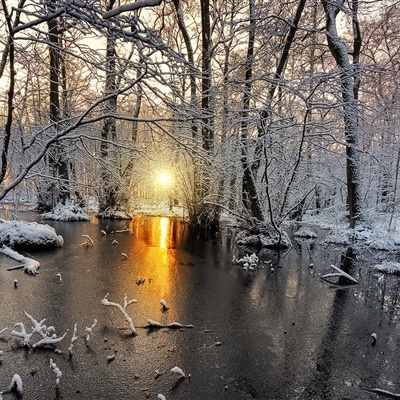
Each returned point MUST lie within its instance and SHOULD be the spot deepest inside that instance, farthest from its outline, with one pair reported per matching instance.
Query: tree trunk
(350, 110)
(108, 197)
(57, 155)
(250, 196)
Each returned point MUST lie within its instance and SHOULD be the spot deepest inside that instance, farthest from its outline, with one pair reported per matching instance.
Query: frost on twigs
(124, 230)
(178, 371)
(164, 305)
(73, 340)
(151, 324)
(29, 265)
(106, 302)
(46, 333)
(56, 370)
(88, 241)
(15, 386)
(89, 330)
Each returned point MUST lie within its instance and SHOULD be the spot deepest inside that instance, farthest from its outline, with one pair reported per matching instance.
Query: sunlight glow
(164, 178)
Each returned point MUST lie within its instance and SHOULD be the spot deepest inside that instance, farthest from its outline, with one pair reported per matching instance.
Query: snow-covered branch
(106, 302)
(29, 265)
(131, 7)
(38, 327)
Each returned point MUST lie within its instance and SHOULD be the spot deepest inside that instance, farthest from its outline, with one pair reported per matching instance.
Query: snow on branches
(47, 334)
(106, 302)
(29, 265)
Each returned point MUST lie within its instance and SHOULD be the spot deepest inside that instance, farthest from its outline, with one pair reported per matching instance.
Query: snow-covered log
(29, 265)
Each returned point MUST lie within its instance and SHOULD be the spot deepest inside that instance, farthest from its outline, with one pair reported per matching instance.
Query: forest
(265, 110)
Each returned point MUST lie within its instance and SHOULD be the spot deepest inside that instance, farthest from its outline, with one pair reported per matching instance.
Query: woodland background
(263, 109)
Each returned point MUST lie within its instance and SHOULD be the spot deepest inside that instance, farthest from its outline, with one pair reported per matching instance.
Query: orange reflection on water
(158, 264)
(164, 224)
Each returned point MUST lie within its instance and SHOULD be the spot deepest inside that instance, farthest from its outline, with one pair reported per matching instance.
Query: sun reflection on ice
(164, 225)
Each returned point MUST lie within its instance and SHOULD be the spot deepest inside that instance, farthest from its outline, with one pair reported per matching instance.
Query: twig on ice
(339, 273)
(16, 385)
(38, 328)
(106, 302)
(88, 241)
(383, 393)
(89, 331)
(73, 339)
(56, 370)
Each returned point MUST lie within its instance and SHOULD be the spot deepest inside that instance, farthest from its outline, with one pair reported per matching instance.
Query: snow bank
(114, 214)
(66, 212)
(267, 240)
(28, 234)
(305, 233)
(388, 266)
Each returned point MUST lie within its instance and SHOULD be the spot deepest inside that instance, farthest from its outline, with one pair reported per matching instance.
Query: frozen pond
(271, 334)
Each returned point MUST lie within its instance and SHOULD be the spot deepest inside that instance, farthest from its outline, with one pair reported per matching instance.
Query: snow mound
(268, 240)
(114, 214)
(305, 233)
(376, 240)
(388, 266)
(248, 262)
(16, 234)
(66, 212)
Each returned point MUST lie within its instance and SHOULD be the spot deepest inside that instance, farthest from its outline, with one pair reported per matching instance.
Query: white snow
(376, 236)
(306, 233)
(388, 266)
(178, 371)
(30, 265)
(32, 234)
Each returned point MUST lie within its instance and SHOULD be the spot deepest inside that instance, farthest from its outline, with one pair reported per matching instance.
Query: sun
(164, 178)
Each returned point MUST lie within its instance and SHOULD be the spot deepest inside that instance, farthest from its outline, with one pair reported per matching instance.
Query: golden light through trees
(164, 178)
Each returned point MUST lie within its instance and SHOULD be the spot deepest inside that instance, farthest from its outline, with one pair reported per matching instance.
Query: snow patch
(306, 233)
(388, 266)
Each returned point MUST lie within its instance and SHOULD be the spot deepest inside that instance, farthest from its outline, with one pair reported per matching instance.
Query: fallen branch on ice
(15, 386)
(38, 328)
(339, 273)
(29, 265)
(383, 393)
(106, 302)
(151, 324)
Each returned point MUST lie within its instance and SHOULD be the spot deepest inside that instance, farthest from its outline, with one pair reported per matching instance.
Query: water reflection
(164, 224)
